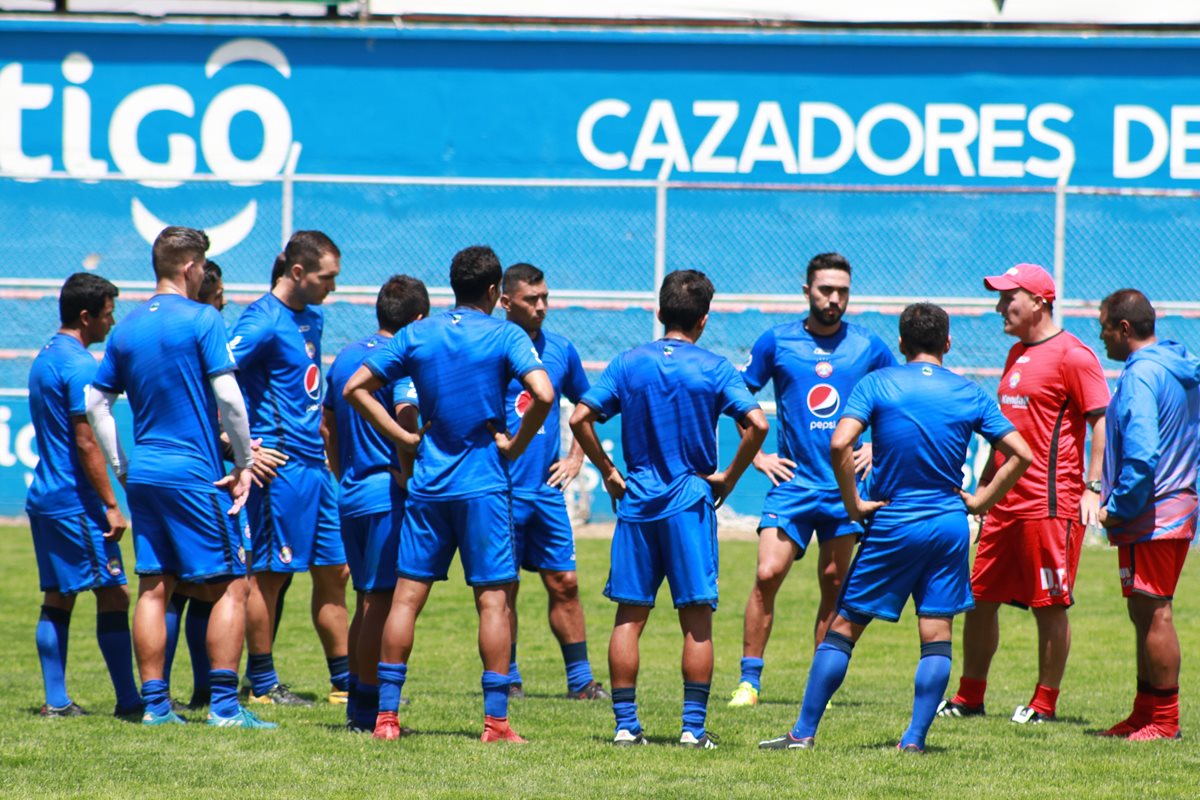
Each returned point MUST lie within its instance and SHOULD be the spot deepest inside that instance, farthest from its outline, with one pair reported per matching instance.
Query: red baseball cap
(1030, 277)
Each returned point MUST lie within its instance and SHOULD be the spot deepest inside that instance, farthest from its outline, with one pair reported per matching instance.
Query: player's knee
(112, 598)
(769, 577)
(563, 587)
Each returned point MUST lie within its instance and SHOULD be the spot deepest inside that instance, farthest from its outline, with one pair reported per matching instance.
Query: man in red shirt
(1029, 545)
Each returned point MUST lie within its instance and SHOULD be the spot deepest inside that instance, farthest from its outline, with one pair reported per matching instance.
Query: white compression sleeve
(234, 420)
(100, 416)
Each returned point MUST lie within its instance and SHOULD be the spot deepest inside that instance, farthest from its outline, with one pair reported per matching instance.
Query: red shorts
(1026, 562)
(1151, 568)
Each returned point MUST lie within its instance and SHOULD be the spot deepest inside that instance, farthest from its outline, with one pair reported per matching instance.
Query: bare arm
(1089, 502)
(754, 429)
(329, 434)
(91, 462)
(541, 391)
(565, 469)
(409, 418)
(841, 450)
(583, 425)
(1018, 457)
(359, 392)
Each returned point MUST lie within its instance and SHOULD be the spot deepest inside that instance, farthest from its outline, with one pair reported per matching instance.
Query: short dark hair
(684, 299)
(401, 299)
(924, 329)
(472, 271)
(826, 261)
(81, 292)
(306, 248)
(208, 286)
(1133, 307)
(278, 268)
(521, 273)
(174, 247)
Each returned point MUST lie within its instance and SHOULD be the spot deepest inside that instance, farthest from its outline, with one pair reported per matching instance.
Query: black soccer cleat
(787, 742)
(516, 691)
(71, 709)
(949, 708)
(593, 691)
(279, 695)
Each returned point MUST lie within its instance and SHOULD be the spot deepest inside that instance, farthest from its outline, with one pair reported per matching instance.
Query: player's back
(460, 362)
(365, 456)
(162, 356)
(58, 384)
(922, 417)
(670, 394)
(278, 351)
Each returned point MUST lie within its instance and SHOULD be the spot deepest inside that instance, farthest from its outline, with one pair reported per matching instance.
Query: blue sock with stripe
(929, 686)
(175, 608)
(495, 694)
(195, 631)
(53, 627)
(752, 672)
(223, 684)
(339, 672)
(579, 669)
(625, 709)
(112, 634)
(828, 670)
(695, 706)
(260, 669)
(391, 684)
(156, 698)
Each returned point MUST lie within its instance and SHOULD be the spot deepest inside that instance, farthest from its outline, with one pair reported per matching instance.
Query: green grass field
(311, 756)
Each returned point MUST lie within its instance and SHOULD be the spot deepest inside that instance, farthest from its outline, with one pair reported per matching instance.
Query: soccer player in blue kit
(670, 394)
(277, 344)
(922, 417)
(814, 362)
(170, 356)
(372, 477)
(545, 540)
(72, 508)
(460, 362)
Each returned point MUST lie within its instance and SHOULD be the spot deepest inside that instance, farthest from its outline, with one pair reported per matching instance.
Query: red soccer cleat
(1155, 730)
(387, 726)
(496, 729)
(1122, 729)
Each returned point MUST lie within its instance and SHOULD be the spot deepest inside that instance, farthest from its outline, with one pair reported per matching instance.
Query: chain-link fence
(605, 244)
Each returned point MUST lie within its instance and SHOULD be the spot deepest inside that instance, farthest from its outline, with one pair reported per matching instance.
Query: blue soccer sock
(495, 694)
(52, 628)
(391, 683)
(352, 696)
(223, 684)
(156, 698)
(367, 707)
(260, 669)
(339, 672)
(695, 706)
(112, 634)
(828, 669)
(929, 686)
(195, 630)
(625, 709)
(752, 672)
(175, 608)
(514, 672)
(579, 670)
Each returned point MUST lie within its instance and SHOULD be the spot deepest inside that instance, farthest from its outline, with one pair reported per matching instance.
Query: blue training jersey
(460, 362)
(669, 394)
(813, 377)
(922, 417)
(278, 352)
(562, 363)
(365, 456)
(58, 386)
(162, 356)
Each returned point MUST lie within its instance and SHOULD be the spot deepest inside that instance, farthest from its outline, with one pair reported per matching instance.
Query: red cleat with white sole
(496, 729)
(387, 726)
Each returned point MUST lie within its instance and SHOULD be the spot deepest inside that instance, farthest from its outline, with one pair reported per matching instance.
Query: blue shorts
(479, 528)
(186, 533)
(681, 548)
(286, 520)
(73, 555)
(371, 542)
(542, 532)
(927, 559)
(800, 512)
